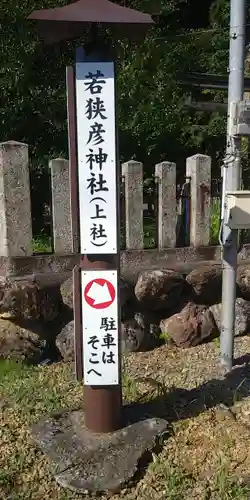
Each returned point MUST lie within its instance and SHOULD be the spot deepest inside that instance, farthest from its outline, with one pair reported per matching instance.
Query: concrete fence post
(132, 172)
(15, 205)
(61, 206)
(198, 168)
(167, 216)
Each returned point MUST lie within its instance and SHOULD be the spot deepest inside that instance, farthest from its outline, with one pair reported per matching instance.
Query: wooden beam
(210, 81)
(207, 106)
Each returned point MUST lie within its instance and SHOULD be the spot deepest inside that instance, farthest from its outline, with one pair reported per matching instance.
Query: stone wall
(59, 267)
(162, 305)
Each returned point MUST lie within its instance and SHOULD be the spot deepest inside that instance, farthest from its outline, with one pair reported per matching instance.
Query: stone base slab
(90, 463)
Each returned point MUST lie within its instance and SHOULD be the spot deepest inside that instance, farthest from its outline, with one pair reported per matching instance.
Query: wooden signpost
(95, 180)
(97, 211)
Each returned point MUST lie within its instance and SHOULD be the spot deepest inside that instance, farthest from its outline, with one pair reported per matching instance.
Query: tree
(154, 122)
(33, 100)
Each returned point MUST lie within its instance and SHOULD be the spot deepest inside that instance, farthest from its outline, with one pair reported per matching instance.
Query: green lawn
(25, 474)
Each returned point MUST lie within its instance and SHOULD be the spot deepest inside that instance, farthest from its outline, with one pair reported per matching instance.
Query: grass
(26, 393)
(226, 486)
(150, 227)
(150, 233)
(42, 244)
(215, 222)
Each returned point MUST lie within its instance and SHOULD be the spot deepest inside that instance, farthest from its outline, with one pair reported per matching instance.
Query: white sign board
(96, 144)
(100, 327)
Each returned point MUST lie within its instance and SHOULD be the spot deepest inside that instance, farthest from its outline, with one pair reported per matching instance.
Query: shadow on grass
(179, 404)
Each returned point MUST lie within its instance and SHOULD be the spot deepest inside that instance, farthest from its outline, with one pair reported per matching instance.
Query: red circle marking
(91, 301)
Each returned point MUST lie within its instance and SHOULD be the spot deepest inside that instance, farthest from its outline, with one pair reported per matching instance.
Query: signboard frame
(100, 327)
(96, 139)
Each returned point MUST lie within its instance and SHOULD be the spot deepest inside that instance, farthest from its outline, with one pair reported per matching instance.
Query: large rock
(243, 282)
(60, 335)
(31, 317)
(132, 336)
(65, 342)
(192, 326)
(242, 316)
(25, 299)
(132, 339)
(206, 283)
(137, 334)
(126, 291)
(159, 289)
(67, 292)
(17, 343)
(140, 333)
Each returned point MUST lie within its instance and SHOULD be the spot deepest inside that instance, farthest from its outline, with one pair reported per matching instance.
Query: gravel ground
(209, 412)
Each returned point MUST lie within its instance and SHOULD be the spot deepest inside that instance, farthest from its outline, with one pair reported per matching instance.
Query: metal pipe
(231, 181)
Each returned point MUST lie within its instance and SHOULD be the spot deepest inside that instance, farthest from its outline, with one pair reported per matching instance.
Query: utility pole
(232, 180)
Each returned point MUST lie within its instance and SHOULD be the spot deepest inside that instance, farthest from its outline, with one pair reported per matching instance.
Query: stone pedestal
(61, 208)
(15, 206)
(89, 463)
(198, 168)
(132, 172)
(166, 176)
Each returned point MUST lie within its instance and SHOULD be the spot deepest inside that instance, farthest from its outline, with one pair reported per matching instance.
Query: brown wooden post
(102, 404)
